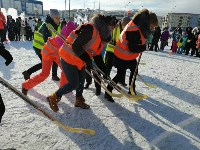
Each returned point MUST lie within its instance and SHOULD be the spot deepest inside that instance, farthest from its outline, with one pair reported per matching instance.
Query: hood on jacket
(142, 20)
(103, 28)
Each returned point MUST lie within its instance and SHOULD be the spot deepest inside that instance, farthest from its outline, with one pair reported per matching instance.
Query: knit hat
(54, 13)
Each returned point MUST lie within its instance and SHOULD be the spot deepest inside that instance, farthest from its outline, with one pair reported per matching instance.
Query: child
(181, 43)
(175, 37)
(49, 55)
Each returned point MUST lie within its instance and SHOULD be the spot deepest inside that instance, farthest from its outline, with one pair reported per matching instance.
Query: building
(29, 7)
(174, 20)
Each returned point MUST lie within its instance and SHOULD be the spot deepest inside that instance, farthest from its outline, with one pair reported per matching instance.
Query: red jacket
(2, 20)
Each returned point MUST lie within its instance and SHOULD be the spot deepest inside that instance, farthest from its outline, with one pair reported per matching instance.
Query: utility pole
(69, 9)
(99, 6)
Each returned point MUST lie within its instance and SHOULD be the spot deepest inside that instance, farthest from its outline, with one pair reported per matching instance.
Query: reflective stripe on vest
(93, 47)
(121, 49)
(50, 49)
(38, 40)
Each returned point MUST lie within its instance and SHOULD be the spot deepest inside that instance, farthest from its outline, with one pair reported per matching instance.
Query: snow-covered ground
(168, 119)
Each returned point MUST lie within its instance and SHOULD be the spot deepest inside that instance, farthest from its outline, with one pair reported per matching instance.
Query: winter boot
(55, 78)
(24, 91)
(80, 102)
(53, 100)
(26, 75)
(108, 97)
(98, 90)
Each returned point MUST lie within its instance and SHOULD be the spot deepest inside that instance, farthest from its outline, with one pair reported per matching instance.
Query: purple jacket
(165, 36)
(66, 30)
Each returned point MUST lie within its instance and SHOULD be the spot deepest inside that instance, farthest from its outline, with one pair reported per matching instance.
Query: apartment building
(174, 20)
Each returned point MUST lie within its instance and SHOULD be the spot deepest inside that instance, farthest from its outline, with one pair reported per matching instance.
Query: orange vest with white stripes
(121, 49)
(50, 49)
(93, 48)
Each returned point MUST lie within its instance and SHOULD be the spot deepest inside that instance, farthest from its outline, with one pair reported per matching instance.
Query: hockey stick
(28, 100)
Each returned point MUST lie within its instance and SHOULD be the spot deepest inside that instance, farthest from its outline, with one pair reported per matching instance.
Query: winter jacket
(165, 35)
(2, 20)
(93, 47)
(66, 30)
(198, 42)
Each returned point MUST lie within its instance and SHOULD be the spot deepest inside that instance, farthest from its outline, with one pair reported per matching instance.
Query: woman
(40, 38)
(49, 55)
(85, 42)
(130, 44)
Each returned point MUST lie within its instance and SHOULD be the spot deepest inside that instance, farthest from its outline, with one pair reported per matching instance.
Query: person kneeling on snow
(8, 57)
(49, 55)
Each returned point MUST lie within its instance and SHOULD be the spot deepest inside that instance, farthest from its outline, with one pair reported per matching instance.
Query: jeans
(76, 79)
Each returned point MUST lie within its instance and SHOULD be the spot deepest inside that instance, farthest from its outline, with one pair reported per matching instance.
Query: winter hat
(54, 13)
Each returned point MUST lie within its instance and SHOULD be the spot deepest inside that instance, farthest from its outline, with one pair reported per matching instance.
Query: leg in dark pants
(2, 108)
(116, 79)
(109, 61)
(54, 72)
(37, 66)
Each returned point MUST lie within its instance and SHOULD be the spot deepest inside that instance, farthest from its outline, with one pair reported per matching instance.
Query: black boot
(55, 78)
(24, 91)
(26, 75)
(98, 91)
(108, 97)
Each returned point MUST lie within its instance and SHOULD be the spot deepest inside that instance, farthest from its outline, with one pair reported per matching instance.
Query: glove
(6, 55)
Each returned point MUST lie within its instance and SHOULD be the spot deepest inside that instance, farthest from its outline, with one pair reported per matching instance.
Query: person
(156, 37)
(2, 23)
(85, 42)
(110, 48)
(164, 38)
(130, 44)
(40, 37)
(18, 28)
(181, 43)
(49, 55)
(8, 57)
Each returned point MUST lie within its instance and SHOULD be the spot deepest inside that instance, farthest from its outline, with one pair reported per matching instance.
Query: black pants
(109, 64)
(1, 35)
(39, 65)
(88, 78)
(2, 108)
(120, 73)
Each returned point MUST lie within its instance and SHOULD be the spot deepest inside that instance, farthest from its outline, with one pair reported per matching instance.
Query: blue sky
(161, 7)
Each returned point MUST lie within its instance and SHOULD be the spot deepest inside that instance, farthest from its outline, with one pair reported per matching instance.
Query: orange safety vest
(93, 48)
(121, 49)
(50, 49)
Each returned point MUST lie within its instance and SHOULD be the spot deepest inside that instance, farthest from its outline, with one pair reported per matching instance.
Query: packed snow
(167, 119)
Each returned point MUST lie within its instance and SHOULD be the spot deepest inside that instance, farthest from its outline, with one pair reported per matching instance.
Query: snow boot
(53, 100)
(24, 91)
(55, 78)
(80, 102)
(26, 75)
(108, 97)
(98, 90)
